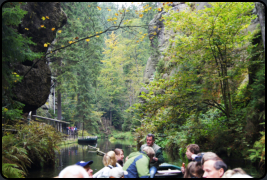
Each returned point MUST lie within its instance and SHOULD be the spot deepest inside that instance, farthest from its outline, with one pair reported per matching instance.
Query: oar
(98, 151)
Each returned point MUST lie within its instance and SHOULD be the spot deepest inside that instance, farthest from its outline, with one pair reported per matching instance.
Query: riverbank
(67, 141)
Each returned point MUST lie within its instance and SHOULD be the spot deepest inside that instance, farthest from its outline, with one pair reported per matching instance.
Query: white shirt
(103, 173)
(193, 156)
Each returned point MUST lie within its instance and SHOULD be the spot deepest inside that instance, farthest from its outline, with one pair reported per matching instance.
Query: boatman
(158, 157)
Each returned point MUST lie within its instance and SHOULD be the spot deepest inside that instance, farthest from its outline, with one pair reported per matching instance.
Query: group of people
(145, 163)
(140, 164)
(208, 165)
(71, 130)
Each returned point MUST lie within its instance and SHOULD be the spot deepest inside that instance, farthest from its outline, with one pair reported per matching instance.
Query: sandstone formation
(161, 42)
(34, 89)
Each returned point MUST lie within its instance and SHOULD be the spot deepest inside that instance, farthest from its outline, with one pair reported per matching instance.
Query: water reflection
(73, 153)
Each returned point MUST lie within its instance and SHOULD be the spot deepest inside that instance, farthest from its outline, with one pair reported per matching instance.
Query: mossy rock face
(34, 89)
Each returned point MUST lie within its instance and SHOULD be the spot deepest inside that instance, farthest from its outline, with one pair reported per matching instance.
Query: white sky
(128, 3)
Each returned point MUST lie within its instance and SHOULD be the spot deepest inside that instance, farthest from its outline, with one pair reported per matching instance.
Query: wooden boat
(166, 170)
(88, 140)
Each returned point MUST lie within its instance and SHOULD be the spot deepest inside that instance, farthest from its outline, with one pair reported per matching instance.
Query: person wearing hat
(117, 172)
(86, 166)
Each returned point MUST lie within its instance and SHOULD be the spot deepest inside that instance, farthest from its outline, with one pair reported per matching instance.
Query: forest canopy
(207, 87)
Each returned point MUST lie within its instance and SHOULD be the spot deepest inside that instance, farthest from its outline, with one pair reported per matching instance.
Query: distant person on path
(191, 152)
(157, 159)
(109, 161)
(86, 166)
(73, 171)
(68, 130)
(137, 164)
(119, 157)
(71, 130)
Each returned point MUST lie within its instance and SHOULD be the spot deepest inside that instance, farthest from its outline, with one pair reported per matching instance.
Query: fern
(12, 171)
(258, 151)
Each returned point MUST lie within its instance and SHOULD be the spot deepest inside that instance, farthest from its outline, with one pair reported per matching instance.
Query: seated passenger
(117, 172)
(214, 168)
(191, 152)
(137, 164)
(119, 157)
(209, 156)
(109, 161)
(236, 173)
(194, 170)
(73, 171)
(86, 166)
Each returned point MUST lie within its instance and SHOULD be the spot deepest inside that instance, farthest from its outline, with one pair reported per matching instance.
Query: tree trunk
(110, 116)
(130, 98)
(83, 126)
(59, 94)
(59, 113)
(33, 113)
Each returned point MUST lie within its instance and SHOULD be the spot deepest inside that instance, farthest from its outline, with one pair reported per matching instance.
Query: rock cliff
(34, 89)
(160, 41)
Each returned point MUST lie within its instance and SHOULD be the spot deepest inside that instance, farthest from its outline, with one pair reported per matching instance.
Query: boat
(166, 170)
(87, 140)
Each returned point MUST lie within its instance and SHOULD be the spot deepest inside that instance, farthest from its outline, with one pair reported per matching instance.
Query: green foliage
(15, 49)
(258, 150)
(12, 171)
(85, 133)
(34, 143)
(121, 135)
(14, 159)
(203, 102)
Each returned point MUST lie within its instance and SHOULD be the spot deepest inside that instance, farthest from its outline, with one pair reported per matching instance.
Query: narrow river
(72, 153)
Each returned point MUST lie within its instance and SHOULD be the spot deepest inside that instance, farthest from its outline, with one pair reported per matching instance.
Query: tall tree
(204, 51)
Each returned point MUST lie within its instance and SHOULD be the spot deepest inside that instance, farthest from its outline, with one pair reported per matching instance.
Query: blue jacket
(137, 165)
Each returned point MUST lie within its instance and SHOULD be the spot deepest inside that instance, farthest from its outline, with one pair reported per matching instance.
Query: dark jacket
(158, 154)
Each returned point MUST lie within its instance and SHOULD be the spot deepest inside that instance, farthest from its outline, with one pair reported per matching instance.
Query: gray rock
(34, 89)
(260, 9)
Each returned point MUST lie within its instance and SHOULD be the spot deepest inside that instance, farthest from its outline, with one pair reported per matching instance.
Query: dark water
(73, 153)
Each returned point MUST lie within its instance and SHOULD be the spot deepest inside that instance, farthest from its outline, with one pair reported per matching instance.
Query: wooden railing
(59, 125)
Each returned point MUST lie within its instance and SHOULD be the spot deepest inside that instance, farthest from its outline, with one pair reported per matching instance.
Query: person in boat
(209, 156)
(117, 172)
(158, 159)
(236, 173)
(119, 157)
(73, 171)
(137, 164)
(191, 152)
(194, 170)
(109, 161)
(86, 166)
(214, 168)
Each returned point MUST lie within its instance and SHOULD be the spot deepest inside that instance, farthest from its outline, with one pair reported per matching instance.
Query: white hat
(117, 172)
